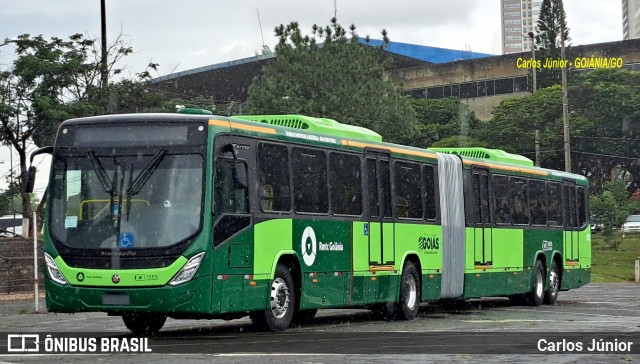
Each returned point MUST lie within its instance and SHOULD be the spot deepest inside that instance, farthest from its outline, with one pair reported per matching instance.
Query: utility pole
(104, 73)
(535, 87)
(565, 102)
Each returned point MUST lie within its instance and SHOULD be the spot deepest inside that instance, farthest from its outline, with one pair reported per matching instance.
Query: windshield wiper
(146, 173)
(101, 173)
(136, 185)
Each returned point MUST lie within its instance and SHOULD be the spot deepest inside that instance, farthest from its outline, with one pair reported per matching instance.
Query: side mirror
(31, 179)
(31, 172)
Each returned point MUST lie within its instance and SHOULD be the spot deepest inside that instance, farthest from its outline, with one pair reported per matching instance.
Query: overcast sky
(180, 35)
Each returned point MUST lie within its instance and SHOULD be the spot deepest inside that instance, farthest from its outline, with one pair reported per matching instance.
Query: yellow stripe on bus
(507, 168)
(231, 124)
(352, 143)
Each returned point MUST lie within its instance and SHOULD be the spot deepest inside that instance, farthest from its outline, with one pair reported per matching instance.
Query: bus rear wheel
(409, 293)
(536, 296)
(551, 296)
(282, 303)
(143, 324)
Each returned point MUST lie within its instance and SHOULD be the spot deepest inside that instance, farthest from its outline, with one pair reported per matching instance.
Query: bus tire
(409, 304)
(536, 296)
(282, 303)
(143, 324)
(551, 295)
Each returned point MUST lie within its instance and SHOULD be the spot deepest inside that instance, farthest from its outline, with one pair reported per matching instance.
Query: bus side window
(345, 184)
(571, 198)
(230, 196)
(407, 189)
(519, 205)
(430, 186)
(554, 204)
(537, 199)
(273, 176)
(385, 177)
(310, 180)
(502, 197)
(372, 190)
(582, 206)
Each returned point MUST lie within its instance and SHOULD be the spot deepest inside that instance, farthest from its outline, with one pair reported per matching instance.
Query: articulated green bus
(152, 216)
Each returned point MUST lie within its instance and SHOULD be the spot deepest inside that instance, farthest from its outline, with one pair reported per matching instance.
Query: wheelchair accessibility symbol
(126, 240)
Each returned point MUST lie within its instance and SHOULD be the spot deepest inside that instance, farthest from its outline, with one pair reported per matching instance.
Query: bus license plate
(116, 300)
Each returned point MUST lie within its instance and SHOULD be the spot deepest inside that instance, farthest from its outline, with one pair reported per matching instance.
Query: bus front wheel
(282, 303)
(143, 324)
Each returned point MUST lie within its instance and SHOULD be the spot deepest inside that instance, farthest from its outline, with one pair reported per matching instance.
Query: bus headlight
(54, 272)
(188, 271)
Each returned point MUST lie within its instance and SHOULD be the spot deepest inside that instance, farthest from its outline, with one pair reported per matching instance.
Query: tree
(10, 200)
(548, 39)
(514, 121)
(331, 74)
(550, 23)
(443, 122)
(611, 208)
(605, 120)
(53, 80)
(604, 132)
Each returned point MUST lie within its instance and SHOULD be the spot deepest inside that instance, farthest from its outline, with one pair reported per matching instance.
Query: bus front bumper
(193, 297)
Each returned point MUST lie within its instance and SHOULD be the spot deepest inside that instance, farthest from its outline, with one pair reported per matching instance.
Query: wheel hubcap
(554, 283)
(412, 292)
(539, 284)
(279, 298)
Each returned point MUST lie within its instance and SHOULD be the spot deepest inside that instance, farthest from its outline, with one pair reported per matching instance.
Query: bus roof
(360, 138)
(322, 130)
(485, 153)
(317, 125)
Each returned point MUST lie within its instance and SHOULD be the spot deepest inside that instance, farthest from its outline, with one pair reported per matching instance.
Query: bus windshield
(150, 200)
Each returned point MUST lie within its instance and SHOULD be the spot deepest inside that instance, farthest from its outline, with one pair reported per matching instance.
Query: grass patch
(614, 266)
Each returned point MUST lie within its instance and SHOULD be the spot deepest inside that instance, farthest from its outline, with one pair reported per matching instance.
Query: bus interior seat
(266, 197)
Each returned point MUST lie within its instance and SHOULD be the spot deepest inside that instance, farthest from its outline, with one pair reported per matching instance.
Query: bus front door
(483, 251)
(381, 249)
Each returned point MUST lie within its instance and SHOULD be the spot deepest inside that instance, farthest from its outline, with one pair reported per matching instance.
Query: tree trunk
(26, 197)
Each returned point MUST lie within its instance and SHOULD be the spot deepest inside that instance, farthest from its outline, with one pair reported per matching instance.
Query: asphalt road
(607, 311)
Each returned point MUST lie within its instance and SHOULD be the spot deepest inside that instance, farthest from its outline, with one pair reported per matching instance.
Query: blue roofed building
(426, 53)
(228, 82)
(480, 80)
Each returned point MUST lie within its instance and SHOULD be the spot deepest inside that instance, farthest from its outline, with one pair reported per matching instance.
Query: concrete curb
(23, 296)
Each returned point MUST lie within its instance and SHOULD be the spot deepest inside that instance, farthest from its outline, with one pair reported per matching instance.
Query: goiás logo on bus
(430, 244)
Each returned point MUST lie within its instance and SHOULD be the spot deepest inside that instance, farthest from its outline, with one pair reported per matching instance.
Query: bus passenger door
(381, 244)
(571, 241)
(482, 232)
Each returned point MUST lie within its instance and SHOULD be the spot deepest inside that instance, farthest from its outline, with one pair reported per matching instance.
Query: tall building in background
(519, 17)
(630, 19)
